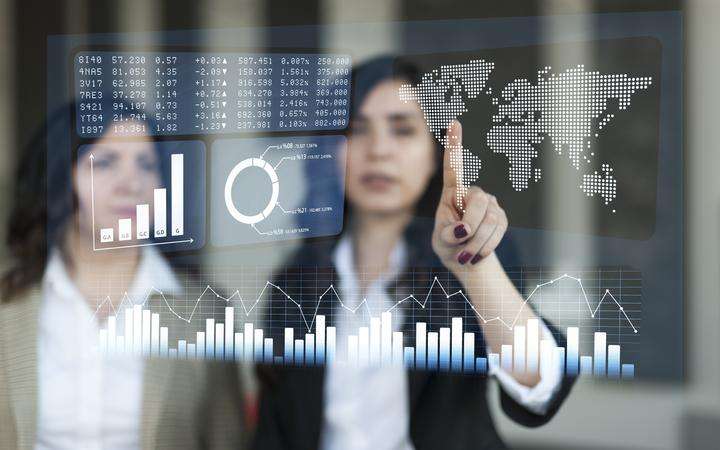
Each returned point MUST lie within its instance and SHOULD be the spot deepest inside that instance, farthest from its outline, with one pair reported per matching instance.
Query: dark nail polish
(460, 231)
(475, 259)
(464, 257)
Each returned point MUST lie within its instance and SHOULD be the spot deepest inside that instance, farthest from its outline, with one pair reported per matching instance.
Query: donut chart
(230, 203)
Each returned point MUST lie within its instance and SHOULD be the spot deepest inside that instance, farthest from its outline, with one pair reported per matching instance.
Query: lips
(377, 181)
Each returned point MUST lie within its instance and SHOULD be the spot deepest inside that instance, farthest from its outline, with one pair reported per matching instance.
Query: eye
(404, 130)
(103, 162)
(147, 164)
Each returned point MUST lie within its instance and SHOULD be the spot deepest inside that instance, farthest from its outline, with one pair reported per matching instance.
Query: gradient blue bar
(432, 350)
(309, 349)
(613, 361)
(469, 352)
(444, 355)
(457, 343)
(586, 365)
(628, 371)
(409, 357)
(299, 351)
(481, 365)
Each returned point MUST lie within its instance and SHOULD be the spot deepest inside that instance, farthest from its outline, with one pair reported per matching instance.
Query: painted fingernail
(475, 259)
(460, 231)
(464, 257)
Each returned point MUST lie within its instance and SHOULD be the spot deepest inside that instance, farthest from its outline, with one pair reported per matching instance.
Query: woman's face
(390, 156)
(124, 175)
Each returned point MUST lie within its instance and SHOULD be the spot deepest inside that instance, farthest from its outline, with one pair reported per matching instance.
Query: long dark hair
(366, 77)
(44, 200)
(327, 189)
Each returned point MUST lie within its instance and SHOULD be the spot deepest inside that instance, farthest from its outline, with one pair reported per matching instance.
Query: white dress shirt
(87, 401)
(367, 408)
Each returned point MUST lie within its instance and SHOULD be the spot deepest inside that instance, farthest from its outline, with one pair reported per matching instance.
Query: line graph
(236, 297)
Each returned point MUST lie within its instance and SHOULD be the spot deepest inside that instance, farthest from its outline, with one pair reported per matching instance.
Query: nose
(128, 180)
(381, 146)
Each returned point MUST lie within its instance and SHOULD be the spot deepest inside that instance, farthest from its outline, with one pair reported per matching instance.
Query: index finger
(452, 158)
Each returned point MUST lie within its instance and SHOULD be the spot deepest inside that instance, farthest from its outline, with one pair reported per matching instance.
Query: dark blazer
(447, 411)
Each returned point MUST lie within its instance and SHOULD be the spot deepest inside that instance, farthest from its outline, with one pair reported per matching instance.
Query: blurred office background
(645, 414)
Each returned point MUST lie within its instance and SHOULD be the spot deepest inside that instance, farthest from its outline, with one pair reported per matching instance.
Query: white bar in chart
(248, 337)
(210, 338)
(220, 341)
(309, 349)
(444, 348)
(258, 345)
(200, 344)
(432, 350)
(137, 329)
(573, 350)
(519, 348)
(469, 352)
(331, 336)
(155, 334)
(613, 368)
(238, 346)
(320, 339)
(182, 349)
(299, 351)
(397, 348)
(493, 359)
(386, 339)
(420, 344)
(160, 210)
(288, 345)
(142, 213)
(586, 364)
(628, 371)
(177, 212)
(506, 357)
(163, 342)
(374, 341)
(409, 357)
(268, 351)
(124, 229)
(457, 339)
(229, 331)
(599, 354)
(559, 358)
(533, 345)
(146, 332)
(112, 333)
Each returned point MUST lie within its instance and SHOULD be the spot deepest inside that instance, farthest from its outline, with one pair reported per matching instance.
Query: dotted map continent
(570, 108)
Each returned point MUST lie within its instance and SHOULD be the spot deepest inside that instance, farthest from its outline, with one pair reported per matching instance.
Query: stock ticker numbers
(178, 93)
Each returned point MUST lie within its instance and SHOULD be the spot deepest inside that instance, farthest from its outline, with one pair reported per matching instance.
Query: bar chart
(164, 220)
(378, 343)
(449, 350)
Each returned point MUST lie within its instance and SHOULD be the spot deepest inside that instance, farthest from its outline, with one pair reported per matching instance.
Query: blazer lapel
(19, 328)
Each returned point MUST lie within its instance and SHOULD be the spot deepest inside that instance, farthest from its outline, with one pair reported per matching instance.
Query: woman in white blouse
(394, 171)
(56, 389)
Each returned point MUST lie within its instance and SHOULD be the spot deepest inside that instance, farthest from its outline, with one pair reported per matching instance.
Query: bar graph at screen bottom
(447, 350)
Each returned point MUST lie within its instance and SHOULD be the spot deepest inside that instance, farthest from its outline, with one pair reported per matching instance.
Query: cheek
(419, 168)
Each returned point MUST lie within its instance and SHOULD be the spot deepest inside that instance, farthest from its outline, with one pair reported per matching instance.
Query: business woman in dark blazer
(404, 227)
